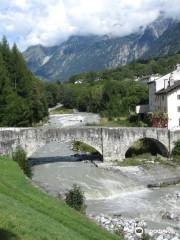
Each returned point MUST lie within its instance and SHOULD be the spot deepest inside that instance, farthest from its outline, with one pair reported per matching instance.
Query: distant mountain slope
(94, 53)
(38, 55)
(167, 44)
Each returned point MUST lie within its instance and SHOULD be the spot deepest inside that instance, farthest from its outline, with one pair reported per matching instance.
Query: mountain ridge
(94, 53)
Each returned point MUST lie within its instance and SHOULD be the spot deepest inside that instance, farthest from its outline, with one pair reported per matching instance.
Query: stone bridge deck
(112, 143)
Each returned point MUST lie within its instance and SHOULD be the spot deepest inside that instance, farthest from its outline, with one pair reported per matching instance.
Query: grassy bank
(117, 122)
(26, 213)
(113, 122)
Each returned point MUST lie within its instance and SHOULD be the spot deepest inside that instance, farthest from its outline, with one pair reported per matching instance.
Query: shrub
(20, 157)
(119, 231)
(176, 150)
(75, 199)
(8, 235)
(83, 147)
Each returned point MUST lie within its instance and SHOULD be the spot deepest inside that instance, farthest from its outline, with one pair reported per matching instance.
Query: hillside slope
(93, 53)
(26, 213)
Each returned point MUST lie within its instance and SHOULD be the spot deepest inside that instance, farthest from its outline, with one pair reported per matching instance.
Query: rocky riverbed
(133, 229)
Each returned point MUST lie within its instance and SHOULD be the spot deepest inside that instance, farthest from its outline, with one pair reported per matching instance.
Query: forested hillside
(24, 99)
(111, 98)
(114, 92)
(162, 66)
(22, 96)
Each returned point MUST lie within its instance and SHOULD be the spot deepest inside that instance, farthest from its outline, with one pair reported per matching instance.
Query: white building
(168, 101)
(80, 81)
(164, 96)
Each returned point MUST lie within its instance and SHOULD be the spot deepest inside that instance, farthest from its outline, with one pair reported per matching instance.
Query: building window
(178, 109)
(178, 97)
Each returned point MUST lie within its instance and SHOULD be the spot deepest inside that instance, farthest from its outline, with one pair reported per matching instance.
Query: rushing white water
(121, 191)
(108, 192)
(98, 184)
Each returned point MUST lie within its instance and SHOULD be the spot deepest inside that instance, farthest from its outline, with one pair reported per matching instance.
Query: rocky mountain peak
(94, 53)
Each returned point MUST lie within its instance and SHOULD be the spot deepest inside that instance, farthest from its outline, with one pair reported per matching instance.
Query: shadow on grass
(7, 235)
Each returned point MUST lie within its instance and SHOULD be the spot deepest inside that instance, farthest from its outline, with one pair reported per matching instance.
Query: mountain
(167, 44)
(36, 56)
(94, 53)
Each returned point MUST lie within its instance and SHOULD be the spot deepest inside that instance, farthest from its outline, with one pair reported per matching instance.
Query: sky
(50, 22)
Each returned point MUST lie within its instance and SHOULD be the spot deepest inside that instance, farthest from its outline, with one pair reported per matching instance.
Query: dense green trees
(24, 99)
(113, 92)
(111, 98)
(54, 93)
(130, 71)
(22, 96)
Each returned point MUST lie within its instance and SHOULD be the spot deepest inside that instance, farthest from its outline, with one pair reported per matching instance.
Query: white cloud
(49, 22)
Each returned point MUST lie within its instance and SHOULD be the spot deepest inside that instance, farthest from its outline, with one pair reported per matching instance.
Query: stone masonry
(112, 143)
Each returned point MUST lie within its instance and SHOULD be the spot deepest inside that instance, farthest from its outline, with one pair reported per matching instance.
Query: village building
(164, 97)
(79, 81)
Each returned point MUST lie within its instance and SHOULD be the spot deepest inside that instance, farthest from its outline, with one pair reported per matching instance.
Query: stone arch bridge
(112, 143)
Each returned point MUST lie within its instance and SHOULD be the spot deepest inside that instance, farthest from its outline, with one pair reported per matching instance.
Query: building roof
(175, 73)
(169, 89)
(153, 78)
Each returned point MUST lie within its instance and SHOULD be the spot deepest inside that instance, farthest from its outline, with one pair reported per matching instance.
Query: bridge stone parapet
(112, 143)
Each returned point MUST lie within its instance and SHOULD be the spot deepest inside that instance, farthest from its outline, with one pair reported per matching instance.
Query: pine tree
(22, 96)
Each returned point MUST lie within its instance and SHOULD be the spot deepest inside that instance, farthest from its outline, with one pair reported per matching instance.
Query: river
(117, 191)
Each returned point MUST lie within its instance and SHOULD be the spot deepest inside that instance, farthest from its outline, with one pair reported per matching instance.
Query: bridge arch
(60, 152)
(88, 145)
(74, 139)
(89, 136)
(149, 145)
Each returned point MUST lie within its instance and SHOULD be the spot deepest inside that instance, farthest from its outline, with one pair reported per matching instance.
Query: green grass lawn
(114, 122)
(26, 213)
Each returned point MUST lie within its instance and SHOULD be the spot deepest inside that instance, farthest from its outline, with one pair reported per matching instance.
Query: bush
(82, 147)
(176, 150)
(8, 235)
(119, 231)
(75, 199)
(20, 157)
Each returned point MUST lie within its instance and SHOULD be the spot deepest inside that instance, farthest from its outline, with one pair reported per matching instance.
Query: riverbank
(26, 213)
(168, 225)
(133, 229)
(110, 190)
